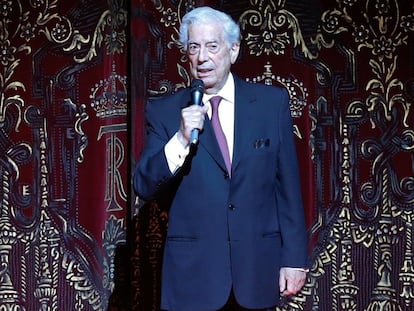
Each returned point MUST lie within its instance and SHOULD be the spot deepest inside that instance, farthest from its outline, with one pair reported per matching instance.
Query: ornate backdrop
(63, 160)
(74, 79)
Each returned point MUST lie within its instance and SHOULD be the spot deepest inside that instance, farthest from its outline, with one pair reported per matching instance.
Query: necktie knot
(215, 101)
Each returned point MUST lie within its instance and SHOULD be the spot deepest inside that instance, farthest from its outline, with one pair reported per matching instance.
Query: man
(235, 238)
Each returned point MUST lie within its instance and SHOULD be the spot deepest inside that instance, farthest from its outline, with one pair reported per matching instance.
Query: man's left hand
(291, 281)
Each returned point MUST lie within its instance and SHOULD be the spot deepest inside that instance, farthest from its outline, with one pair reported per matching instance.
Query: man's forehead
(212, 31)
(199, 38)
(203, 39)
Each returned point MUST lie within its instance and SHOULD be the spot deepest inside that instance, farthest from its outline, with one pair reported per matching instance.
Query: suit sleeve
(152, 170)
(289, 196)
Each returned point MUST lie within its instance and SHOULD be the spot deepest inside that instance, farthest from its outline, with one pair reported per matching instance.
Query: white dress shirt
(175, 152)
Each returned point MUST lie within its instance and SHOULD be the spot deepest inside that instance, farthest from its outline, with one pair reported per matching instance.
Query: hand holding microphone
(197, 90)
(192, 117)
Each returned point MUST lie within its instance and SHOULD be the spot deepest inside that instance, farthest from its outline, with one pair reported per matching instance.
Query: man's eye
(212, 47)
(193, 47)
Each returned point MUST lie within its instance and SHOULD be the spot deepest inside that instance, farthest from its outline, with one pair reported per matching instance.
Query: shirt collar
(226, 92)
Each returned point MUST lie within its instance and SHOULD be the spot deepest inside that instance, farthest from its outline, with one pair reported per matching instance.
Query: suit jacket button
(232, 207)
(226, 176)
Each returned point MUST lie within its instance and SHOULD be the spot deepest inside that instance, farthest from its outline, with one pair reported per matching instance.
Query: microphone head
(197, 85)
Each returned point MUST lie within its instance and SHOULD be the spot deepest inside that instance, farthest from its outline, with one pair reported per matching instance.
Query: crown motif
(109, 96)
(297, 91)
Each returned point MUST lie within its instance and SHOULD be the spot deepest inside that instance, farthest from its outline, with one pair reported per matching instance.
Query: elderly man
(236, 236)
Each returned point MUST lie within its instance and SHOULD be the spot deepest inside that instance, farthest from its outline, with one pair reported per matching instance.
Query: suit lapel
(209, 143)
(243, 111)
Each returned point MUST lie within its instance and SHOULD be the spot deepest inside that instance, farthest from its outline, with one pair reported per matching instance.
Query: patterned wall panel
(63, 168)
(348, 66)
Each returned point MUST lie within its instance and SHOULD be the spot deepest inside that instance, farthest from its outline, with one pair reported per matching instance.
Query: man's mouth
(203, 72)
(204, 69)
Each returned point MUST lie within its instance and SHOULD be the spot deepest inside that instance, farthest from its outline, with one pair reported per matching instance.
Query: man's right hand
(192, 117)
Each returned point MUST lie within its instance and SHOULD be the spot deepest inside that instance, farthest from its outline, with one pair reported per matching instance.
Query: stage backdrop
(63, 159)
(348, 66)
(74, 80)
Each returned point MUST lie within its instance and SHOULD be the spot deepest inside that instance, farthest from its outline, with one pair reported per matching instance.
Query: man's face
(210, 56)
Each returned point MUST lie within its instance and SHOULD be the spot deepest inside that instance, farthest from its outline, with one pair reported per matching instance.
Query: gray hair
(207, 15)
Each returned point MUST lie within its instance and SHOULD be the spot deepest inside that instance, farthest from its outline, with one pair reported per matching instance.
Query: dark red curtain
(74, 80)
(63, 138)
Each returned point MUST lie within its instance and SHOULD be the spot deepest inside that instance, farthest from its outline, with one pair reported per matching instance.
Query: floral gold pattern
(271, 29)
(45, 249)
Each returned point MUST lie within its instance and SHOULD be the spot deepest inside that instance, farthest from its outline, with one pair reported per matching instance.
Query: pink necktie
(221, 139)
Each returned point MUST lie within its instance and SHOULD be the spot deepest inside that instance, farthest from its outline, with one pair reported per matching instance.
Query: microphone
(197, 90)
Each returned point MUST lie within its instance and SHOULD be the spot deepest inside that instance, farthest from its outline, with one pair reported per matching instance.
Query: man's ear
(234, 52)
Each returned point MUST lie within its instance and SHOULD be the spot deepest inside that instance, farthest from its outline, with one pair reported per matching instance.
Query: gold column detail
(47, 264)
(407, 269)
(344, 289)
(384, 293)
(8, 238)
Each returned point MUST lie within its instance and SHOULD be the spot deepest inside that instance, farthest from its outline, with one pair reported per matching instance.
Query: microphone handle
(194, 136)
(196, 98)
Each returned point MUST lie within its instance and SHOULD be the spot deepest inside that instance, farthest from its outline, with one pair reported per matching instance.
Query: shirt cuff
(299, 269)
(175, 153)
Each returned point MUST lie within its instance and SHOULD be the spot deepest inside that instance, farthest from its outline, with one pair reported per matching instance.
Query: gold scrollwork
(381, 31)
(114, 21)
(275, 29)
(113, 235)
(382, 36)
(21, 22)
(85, 291)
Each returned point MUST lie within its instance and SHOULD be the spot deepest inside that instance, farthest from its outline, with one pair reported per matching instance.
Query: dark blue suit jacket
(224, 232)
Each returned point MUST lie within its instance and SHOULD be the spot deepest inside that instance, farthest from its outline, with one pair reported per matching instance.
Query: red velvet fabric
(74, 80)
(64, 159)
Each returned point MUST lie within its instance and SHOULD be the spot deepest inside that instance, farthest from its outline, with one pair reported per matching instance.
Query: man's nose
(203, 55)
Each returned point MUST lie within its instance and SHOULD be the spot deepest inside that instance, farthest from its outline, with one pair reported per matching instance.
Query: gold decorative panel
(62, 210)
